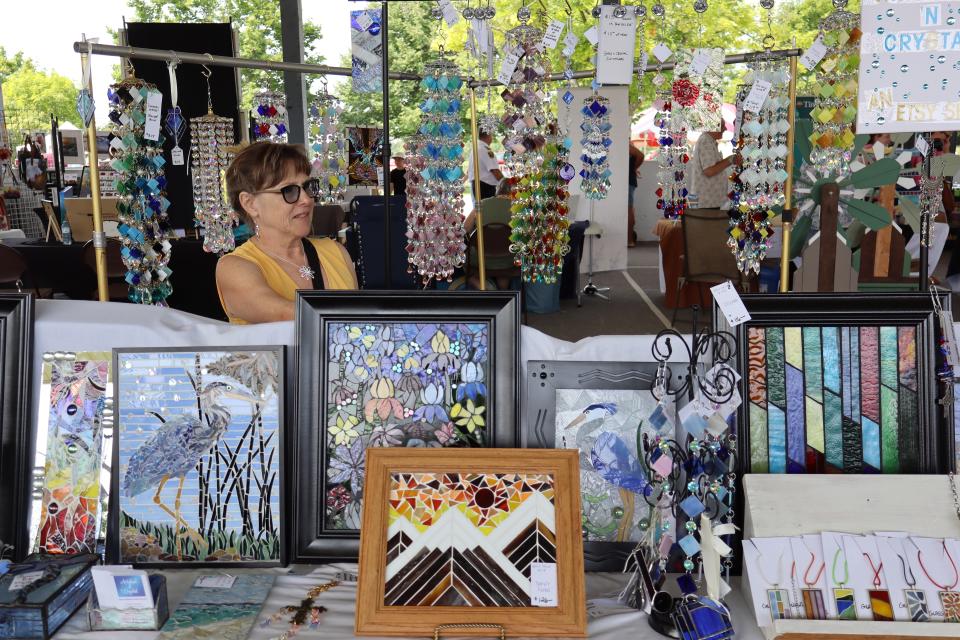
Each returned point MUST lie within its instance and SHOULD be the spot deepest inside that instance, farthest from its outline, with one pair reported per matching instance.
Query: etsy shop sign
(909, 62)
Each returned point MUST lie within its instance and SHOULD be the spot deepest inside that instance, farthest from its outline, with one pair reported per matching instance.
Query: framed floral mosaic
(492, 537)
(393, 369)
(834, 383)
(601, 410)
(16, 342)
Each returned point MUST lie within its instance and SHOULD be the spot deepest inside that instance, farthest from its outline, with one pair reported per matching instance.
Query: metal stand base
(593, 290)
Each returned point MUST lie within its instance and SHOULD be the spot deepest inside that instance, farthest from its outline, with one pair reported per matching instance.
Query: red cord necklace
(956, 574)
(806, 573)
(876, 570)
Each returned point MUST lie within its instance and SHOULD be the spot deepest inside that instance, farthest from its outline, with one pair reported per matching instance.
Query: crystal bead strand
(210, 138)
(329, 147)
(270, 116)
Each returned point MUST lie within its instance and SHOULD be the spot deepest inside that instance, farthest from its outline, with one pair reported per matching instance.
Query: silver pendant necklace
(956, 497)
(306, 273)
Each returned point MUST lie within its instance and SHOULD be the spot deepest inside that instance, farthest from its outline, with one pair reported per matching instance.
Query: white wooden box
(794, 504)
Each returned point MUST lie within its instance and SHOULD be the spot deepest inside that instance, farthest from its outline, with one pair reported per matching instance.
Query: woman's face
(275, 215)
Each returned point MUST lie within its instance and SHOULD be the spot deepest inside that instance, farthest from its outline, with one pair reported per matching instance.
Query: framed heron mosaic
(16, 342)
(393, 369)
(837, 383)
(492, 537)
(601, 410)
(197, 457)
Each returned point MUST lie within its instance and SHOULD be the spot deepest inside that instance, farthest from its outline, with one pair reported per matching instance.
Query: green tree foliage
(258, 24)
(11, 64)
(31, 96)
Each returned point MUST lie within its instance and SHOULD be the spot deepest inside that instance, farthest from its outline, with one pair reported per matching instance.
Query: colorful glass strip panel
(846, 373)
(907, 343)
(758, 369)
(880, 605)
(856, 394)
(776, 383)
(846, 604)
(777, 425)
(833, 429)
(813, 363)
(758, 436)
(870, 373)
(831, 359)
(795, 420)
(890, 451)
(871, 445)
(813, 604)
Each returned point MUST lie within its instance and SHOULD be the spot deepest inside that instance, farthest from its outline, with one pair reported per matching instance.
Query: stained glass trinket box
(41, 607)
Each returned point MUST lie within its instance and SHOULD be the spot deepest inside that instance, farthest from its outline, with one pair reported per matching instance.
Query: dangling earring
(256, 229)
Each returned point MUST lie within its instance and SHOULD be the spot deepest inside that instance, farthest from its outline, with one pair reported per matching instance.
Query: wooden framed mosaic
(601, 410)
(489, 537)
(840, 383)
(393, 369)
(16, 446)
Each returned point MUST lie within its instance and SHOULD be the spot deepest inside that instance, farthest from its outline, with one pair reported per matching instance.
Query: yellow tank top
(338, 272)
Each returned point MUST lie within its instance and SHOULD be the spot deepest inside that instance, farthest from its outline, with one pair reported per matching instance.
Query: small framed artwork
(601, 410)
(490, 537)
(839, 383)
(393, 369)
(73, 147)
(16, 444)
(197, 457)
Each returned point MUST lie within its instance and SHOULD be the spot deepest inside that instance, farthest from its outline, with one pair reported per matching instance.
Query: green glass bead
(667, 486)
(617, 512)
(691, 526)
(688, 564)
(644, 524)
(692, 486)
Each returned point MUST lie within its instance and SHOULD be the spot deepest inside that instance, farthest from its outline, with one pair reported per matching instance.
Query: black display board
(213, 38)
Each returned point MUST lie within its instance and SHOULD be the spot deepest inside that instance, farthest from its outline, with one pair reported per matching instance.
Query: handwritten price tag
(552, 36)
(814, 54)
(757, 96)
(543, 584)
(700, 62)
(215, 582)
(661, 52)
(730, 304)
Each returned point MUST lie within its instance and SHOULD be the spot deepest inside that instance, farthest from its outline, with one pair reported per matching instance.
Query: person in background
(495, 210)
(490, 174)
(269, 186)
(635, 160)
(709, 182)
(398, 176)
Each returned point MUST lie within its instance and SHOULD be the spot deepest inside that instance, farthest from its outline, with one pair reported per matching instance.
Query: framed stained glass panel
(842, 384)
(393, 369)
(601, 410)
(198, 457)
(16, 341)
(491, 536)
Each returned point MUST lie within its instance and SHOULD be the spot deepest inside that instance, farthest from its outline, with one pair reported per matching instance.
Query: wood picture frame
(507, 490)
(205, 378)
(557, 389)
(16, 443)
(907, 394)
(337, 327)
(53, 221)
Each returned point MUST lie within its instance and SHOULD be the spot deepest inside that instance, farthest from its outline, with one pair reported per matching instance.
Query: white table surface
(608, 621)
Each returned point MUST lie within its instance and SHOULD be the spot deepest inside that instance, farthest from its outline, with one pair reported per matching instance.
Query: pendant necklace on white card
(948, 596)
(879, 598)
(813, 604)
(956, 495)
(777, 598)
(915, 599)
(842, 595)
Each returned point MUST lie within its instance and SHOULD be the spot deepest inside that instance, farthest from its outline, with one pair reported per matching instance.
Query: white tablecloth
(608, 621)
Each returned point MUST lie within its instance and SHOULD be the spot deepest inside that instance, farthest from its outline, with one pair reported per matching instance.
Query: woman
(269, 186)
(495, 210)
(635, 160)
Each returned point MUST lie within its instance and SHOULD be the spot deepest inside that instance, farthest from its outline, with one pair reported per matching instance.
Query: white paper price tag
(543, 584)
(24, 579)
(922, 145)
(215, 582)
(450, 14)
(379, 176)
(151, 128)
(701, 60)
(507, 67)
(757, 96)
(814, 54)
(730, 304)
(592, 35)
(571, 40)
(176, 156)
(364, 21)
(949, 339)
(482, 33)
(661, 52)
(552, 36)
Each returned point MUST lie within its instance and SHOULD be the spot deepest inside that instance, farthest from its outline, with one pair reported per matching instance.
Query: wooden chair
(117, 287)
(14, 270)
(496, 249)
(706, 257)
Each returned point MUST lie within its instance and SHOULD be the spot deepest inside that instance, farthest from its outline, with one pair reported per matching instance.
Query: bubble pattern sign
(909, 62)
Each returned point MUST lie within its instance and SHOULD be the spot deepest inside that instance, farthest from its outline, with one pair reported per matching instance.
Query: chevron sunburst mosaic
(467, 539)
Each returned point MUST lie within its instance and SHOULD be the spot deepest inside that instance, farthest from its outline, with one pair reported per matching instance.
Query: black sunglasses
(291, 192)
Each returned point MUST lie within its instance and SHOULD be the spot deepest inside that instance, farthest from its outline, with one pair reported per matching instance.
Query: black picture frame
(935, 428)
(543, 379)
(311, 540)
(113, 551)
(16, 441)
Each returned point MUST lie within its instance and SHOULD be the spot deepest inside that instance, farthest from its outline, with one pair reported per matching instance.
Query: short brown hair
(260, 166)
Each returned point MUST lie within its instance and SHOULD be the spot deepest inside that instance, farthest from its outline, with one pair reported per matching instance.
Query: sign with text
(616, 47)
(909, 58)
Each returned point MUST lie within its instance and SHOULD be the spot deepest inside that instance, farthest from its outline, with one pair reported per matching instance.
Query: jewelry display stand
(919, 504)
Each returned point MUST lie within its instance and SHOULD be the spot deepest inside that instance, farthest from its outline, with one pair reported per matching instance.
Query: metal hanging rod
(223, 61)
(735, 58)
